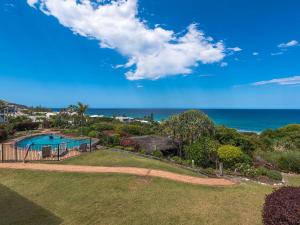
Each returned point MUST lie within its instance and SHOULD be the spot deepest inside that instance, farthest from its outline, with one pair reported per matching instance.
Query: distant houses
(126, 119)
(8, 110)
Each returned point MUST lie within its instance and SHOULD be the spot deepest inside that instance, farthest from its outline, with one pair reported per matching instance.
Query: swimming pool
(37, 142)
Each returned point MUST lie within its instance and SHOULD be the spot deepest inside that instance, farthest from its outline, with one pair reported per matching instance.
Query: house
(8, 110)
(125, 119)
(96, 116)
(151, 143)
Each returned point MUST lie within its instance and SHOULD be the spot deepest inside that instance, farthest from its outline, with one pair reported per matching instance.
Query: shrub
(93, 134)
(110, 140)
(177, 159)
(70, 131)
(157, 153)
(209, 171)
(142, 151)
(285, 161)
(130, 149)
(203, 152)
(102, 127)
(247, 170)
(133, 129)
(289, 161)
(274, 175)
(23, 126)
(284, 139)
(248, 142)
(230, 155)
(3, 135)
(282, 207)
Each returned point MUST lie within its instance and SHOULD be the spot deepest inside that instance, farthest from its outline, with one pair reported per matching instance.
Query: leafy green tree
(203, 152)
(188, 127)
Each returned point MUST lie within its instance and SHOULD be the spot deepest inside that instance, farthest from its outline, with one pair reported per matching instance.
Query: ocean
(255, 120)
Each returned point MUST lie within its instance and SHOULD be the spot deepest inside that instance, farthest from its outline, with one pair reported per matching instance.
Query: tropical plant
(188, 127)
(81, 109)
(282, 207)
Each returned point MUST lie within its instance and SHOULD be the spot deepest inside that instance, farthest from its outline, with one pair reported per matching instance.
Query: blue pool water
(50, 140)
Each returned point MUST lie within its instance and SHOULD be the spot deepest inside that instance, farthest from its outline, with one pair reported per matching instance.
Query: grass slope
(33, 197)
(112, 158)
(49, 198)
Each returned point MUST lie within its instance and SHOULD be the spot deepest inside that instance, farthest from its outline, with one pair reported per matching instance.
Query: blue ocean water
(255, 120)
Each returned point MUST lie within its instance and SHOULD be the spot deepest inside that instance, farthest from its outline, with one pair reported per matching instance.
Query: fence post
(90, 144)
(58, 152)
(221, 169)
(1, 149)
(16, 152)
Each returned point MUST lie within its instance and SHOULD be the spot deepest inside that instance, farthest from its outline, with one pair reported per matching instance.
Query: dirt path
(122, 170)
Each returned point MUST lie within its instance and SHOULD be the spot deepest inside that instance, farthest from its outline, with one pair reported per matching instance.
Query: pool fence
(11, 152)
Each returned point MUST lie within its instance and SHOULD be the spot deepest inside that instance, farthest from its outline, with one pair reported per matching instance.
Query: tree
(188, 127)
(203, 152)
(81, 109)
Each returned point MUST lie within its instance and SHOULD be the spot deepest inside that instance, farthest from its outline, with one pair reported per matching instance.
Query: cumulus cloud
(255, 53)
(288, 44)
(152, 53)
(280, 81)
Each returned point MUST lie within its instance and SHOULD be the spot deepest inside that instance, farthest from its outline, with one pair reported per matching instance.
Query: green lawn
(32, 197)
(36, 197)
(112, 158)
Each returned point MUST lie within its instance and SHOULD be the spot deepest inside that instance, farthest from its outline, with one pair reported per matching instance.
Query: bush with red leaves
(127, 142)
(3, 135)
(282, 207)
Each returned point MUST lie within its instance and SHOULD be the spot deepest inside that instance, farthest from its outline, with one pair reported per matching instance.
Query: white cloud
(235, 49)
(280, 81)
(255, 53)
(32, 2)
(152, 53)
(288, 44)
(224, 64)
(276, 53)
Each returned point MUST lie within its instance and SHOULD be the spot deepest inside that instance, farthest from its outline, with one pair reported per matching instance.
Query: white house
(124, 119)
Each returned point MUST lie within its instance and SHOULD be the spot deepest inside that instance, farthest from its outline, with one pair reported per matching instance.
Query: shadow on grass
(15, 209)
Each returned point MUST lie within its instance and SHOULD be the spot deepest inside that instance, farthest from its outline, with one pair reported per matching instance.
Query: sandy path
(120, 170)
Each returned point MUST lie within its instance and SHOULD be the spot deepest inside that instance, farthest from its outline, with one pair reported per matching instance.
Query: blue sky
(192, 53)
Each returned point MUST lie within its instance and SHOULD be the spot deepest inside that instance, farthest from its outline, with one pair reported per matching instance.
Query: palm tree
(81, 109)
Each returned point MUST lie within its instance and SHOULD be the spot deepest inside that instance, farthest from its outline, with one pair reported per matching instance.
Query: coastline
(243, 120)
